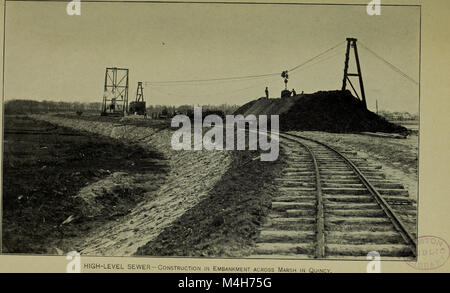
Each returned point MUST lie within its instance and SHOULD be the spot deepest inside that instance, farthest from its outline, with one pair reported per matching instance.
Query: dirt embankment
(264, 106)
(331, 111)
(226, 222)
(191, 177)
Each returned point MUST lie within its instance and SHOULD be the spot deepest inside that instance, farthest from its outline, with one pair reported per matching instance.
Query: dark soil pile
(247, 107)
(331, 111)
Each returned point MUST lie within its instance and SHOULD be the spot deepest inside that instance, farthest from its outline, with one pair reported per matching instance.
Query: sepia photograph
(281, 131)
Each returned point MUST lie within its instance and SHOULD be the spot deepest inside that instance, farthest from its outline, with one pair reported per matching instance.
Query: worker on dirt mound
(294, 93)
(267, 92)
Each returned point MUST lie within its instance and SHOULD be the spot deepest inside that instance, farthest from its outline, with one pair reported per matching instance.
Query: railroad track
(332, 204)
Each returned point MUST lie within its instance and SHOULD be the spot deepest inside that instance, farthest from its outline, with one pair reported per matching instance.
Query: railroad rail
(331, 206)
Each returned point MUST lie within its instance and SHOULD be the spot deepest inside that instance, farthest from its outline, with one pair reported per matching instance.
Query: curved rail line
(322, 157)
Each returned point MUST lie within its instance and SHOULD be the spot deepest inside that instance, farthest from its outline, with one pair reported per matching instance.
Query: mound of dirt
(226, 222)
(264, 106)
(190, 178)
(332, 111)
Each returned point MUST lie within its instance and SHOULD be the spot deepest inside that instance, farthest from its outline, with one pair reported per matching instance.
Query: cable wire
(392, 66)
(315, 57)
(237, 78)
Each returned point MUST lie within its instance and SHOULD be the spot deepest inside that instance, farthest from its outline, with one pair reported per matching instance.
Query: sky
(50, 55)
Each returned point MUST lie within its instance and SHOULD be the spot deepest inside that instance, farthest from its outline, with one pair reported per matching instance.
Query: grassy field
(44, 166)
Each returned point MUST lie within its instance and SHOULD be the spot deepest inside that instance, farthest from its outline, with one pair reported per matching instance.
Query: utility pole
(377, 107)
(351, 43)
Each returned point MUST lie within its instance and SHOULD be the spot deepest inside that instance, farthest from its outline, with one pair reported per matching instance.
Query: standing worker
(267, 92)
(294, 93)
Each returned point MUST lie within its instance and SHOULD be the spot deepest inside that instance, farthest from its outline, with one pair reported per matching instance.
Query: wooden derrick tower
(138, 106)
(351, 44)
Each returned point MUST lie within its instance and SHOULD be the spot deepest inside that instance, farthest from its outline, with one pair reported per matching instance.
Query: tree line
(36, 107)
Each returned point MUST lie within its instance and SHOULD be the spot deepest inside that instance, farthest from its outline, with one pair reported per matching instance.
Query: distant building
(398, 116)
